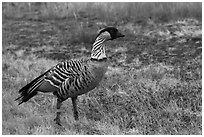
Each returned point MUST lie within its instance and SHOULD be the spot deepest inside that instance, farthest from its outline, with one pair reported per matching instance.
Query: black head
(114, 33)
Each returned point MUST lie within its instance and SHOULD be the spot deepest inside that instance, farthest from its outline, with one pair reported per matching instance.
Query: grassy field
(153, 84)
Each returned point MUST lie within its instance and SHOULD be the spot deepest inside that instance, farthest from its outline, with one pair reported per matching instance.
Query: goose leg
(75, 108)
(57, 119)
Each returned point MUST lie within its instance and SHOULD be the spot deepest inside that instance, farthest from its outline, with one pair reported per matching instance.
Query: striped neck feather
(98, 50)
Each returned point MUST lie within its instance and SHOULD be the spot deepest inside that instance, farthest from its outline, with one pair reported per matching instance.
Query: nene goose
(74, 77)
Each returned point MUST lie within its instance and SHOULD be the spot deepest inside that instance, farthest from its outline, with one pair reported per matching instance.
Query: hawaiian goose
(74, 77)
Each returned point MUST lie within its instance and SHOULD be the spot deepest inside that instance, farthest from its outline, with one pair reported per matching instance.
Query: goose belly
(90, 86)
(86, 85)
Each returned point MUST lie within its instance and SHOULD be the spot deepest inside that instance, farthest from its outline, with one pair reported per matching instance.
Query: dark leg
(59, 104)
(75, 108)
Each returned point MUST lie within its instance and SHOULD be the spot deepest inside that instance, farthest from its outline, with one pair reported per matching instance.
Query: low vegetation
(153, 84)
(122, 12)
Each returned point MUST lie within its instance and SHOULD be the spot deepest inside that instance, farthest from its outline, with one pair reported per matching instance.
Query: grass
(149, 100)
(153, 84)
(104, 11)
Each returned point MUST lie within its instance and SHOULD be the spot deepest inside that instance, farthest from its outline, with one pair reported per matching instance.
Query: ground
(153, 84)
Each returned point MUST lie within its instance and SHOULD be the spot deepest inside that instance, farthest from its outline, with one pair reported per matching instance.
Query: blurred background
(108, 12)
(153, 84)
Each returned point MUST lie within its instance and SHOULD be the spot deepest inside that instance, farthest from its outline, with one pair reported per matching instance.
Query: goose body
(72, 78)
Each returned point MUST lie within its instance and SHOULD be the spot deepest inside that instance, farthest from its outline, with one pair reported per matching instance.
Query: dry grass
(149, 100)
(104, 11)
(154, 82)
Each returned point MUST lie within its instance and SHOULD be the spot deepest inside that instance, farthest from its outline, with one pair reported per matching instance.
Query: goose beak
(119, 34)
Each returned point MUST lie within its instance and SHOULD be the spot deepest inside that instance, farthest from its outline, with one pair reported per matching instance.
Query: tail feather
(23, 99)
(28, 91)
